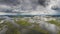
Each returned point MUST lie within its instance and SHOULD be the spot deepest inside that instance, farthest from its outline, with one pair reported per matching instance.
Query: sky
(29, 7)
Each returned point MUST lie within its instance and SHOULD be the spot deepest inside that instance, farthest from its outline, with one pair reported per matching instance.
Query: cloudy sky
(29, 7)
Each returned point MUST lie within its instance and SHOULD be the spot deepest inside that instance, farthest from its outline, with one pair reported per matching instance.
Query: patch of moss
(39, 30)
(2, 25)
(12, 29)
(54, 22)
(23, 23)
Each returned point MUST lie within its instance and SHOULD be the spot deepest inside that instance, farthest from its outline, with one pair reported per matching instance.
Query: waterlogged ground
(30, 25)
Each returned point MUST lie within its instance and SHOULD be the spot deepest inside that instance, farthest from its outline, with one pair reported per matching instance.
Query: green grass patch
(23, 23)
(54, 22)
(39, 30)
(12, 29)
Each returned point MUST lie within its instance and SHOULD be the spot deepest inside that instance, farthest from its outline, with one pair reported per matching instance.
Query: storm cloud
(10, 2)
(32, 7)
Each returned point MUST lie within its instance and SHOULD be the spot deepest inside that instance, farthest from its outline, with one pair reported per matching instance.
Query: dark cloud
(10, 2)
(7, 11)
(43, 2)
(55, 7)
(29, 6)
